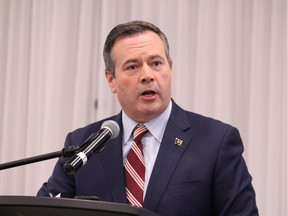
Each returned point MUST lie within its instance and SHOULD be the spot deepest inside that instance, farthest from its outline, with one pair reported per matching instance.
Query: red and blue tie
(135, 168)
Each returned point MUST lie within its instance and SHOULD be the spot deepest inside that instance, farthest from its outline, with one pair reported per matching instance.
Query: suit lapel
(112, 161)
(173, 145)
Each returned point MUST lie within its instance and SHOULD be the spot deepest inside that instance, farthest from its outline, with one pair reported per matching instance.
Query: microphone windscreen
(112, 126)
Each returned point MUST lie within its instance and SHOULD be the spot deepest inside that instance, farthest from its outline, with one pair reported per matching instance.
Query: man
(193, 164)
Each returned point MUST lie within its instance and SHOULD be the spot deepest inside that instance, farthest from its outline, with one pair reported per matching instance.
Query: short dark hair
(128, 29)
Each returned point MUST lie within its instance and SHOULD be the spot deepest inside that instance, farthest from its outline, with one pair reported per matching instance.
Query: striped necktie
(135, 168)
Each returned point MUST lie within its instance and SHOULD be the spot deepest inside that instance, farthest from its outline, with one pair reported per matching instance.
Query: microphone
(94, 144)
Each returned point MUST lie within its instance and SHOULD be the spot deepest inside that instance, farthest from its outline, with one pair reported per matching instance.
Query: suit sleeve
(59, 182)
(232, 188)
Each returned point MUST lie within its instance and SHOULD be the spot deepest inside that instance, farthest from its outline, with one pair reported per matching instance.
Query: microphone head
(112, 126)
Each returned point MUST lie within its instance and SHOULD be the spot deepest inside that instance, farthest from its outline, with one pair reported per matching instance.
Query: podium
(46, 206)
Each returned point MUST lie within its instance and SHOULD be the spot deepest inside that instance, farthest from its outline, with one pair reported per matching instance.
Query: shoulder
(201, 127)
(206, 121)
(207, 132)
(196, 120)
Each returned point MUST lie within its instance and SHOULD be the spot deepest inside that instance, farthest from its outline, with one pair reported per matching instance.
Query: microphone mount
(65, 152)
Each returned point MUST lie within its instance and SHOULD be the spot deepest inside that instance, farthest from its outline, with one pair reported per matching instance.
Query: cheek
(125, 96)
(165, 82)
(121, 89)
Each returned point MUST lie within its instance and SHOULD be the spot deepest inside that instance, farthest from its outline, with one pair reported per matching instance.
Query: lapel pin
(178, 142)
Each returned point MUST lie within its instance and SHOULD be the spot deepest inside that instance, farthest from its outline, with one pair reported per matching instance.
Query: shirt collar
(156, 126)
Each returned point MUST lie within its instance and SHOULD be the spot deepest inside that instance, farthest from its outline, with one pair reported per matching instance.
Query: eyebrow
(134, 60)
(156, 56)
(130, 61)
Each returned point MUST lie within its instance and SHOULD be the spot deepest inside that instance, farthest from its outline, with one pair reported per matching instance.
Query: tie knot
(139, 131)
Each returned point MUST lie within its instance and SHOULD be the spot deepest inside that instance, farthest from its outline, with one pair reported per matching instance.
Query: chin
(146, 112)
(147, 115)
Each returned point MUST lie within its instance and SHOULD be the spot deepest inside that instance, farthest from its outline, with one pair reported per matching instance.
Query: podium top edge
(69, 203)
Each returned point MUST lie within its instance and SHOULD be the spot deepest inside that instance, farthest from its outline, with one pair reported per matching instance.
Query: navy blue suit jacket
(206, 175)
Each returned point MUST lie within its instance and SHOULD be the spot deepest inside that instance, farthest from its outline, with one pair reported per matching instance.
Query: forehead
(142, 41)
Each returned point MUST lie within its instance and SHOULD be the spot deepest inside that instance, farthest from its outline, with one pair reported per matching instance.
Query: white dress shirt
(151, 140)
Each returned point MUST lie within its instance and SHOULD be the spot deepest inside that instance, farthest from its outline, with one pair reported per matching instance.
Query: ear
(170, 64)
(111, 81)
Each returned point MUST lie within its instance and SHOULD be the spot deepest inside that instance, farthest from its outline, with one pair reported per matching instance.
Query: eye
(156, 64)
(131, 67)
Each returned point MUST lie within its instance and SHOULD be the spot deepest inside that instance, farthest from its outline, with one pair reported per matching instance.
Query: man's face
(142, 79)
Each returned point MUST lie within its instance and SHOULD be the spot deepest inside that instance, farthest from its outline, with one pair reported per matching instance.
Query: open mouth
(148, 93)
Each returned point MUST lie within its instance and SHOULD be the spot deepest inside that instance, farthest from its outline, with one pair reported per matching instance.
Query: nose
(147, 74)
